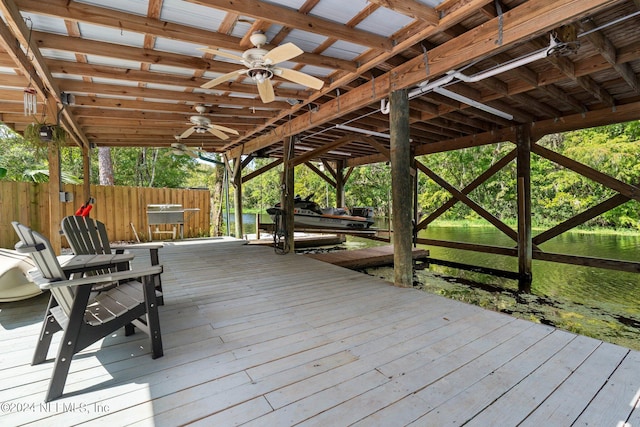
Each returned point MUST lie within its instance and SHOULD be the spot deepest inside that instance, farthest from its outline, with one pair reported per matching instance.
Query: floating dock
(365, 258)
(304, 240)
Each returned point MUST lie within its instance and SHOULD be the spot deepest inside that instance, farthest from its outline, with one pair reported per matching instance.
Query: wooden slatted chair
(87, 236)
(83, 319)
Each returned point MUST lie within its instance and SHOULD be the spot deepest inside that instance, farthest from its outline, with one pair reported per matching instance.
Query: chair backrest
(85, 235)
(42, 253)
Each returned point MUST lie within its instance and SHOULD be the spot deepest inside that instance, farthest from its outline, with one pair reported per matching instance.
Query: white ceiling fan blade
(222, 79)
(225, 129)
(221, 53)
(218, 133)
(282, 53)
(265, 89)
(187, 133)
(177, 152)
(189, 152)
(178, 146)
(300, 78)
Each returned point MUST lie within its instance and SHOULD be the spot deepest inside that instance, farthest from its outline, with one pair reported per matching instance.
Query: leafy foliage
(557, 193)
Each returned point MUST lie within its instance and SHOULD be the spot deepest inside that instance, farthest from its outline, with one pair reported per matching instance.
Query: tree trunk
(105, 166)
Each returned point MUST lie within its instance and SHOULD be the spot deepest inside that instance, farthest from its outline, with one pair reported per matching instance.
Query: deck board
(254, 338)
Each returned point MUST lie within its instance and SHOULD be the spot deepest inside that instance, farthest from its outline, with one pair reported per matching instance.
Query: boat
(307, 213)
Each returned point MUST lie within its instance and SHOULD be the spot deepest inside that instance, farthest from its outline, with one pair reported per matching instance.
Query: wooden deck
(259, 339)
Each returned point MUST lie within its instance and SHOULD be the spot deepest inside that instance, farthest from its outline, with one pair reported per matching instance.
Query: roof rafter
(411, 8)
(145, 25)
(49, 89)
(520, 23)
(289, 17)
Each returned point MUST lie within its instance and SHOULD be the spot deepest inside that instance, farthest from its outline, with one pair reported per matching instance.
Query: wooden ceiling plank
(116, 19)
(412, 9)
(521, 23)
(47, 86)
(79, 87)
(90, 102)
(83, 69)
(371, 59)
(608, 52)
(290, 17)
(567, 67)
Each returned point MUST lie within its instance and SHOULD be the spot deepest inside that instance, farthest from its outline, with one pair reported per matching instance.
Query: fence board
(118, 207)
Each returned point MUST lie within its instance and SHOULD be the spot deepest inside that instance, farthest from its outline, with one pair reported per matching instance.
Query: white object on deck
(14, 282)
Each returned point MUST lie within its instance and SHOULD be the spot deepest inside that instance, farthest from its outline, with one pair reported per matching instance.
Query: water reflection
(610, 290)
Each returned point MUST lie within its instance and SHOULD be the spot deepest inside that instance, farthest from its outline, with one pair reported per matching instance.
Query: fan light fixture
(261, 66)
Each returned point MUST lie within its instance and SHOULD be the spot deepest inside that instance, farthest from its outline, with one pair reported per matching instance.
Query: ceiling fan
(180, 149)
(261, 66)
(202, 124)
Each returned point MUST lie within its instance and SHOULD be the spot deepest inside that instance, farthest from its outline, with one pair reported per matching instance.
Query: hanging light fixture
(30, 95)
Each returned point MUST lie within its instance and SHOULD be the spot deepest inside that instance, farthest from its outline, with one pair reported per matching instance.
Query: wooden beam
(412, 9)
(608, 51)
(288, 194)
(322, 150)
(143, 76)
(291, 18)
(521, 23)
(38, 71)
(467, 201)
(581, 218)
(374, 58)
(80, 87)
(525, 246)
(116, 19)
(401, 158)
(497, 166)
(321, 174)
(628, 190)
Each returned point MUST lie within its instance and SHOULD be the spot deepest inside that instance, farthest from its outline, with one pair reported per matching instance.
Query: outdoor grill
(167, 215)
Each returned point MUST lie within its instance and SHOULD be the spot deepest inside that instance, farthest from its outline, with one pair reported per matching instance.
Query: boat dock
(254, 338)
(365, 258)
(302, 240)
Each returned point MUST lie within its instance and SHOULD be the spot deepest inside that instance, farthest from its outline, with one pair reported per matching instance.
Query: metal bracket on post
(500, 22)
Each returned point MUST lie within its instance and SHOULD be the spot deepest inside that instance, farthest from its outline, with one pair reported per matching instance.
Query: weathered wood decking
(365, 258)
(258, 339)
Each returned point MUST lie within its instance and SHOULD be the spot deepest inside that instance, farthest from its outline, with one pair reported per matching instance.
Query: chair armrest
(20, 247)
(104, 278)
(139, 246)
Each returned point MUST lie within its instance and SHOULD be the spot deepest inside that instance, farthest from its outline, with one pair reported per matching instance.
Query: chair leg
(68, 344)
(129, 329)
(155, 260)
(153, 320)
(49, 327)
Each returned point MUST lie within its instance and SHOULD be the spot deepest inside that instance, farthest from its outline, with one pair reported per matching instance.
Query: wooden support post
(55, 205)
(525, 244)
(237, 199)
(340, 202)
(86, 173)
(287, 201)
(400, 183)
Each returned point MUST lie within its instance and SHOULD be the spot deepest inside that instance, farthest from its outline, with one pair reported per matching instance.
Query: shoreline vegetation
(591, 321)
(603, 321)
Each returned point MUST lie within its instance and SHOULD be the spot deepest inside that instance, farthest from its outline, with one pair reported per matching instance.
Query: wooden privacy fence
(117, 207)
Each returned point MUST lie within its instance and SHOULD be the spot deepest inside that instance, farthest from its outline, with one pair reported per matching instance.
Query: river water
(596, 302)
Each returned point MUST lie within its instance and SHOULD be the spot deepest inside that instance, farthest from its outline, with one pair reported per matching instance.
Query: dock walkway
(364, 258)
(254, 338)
